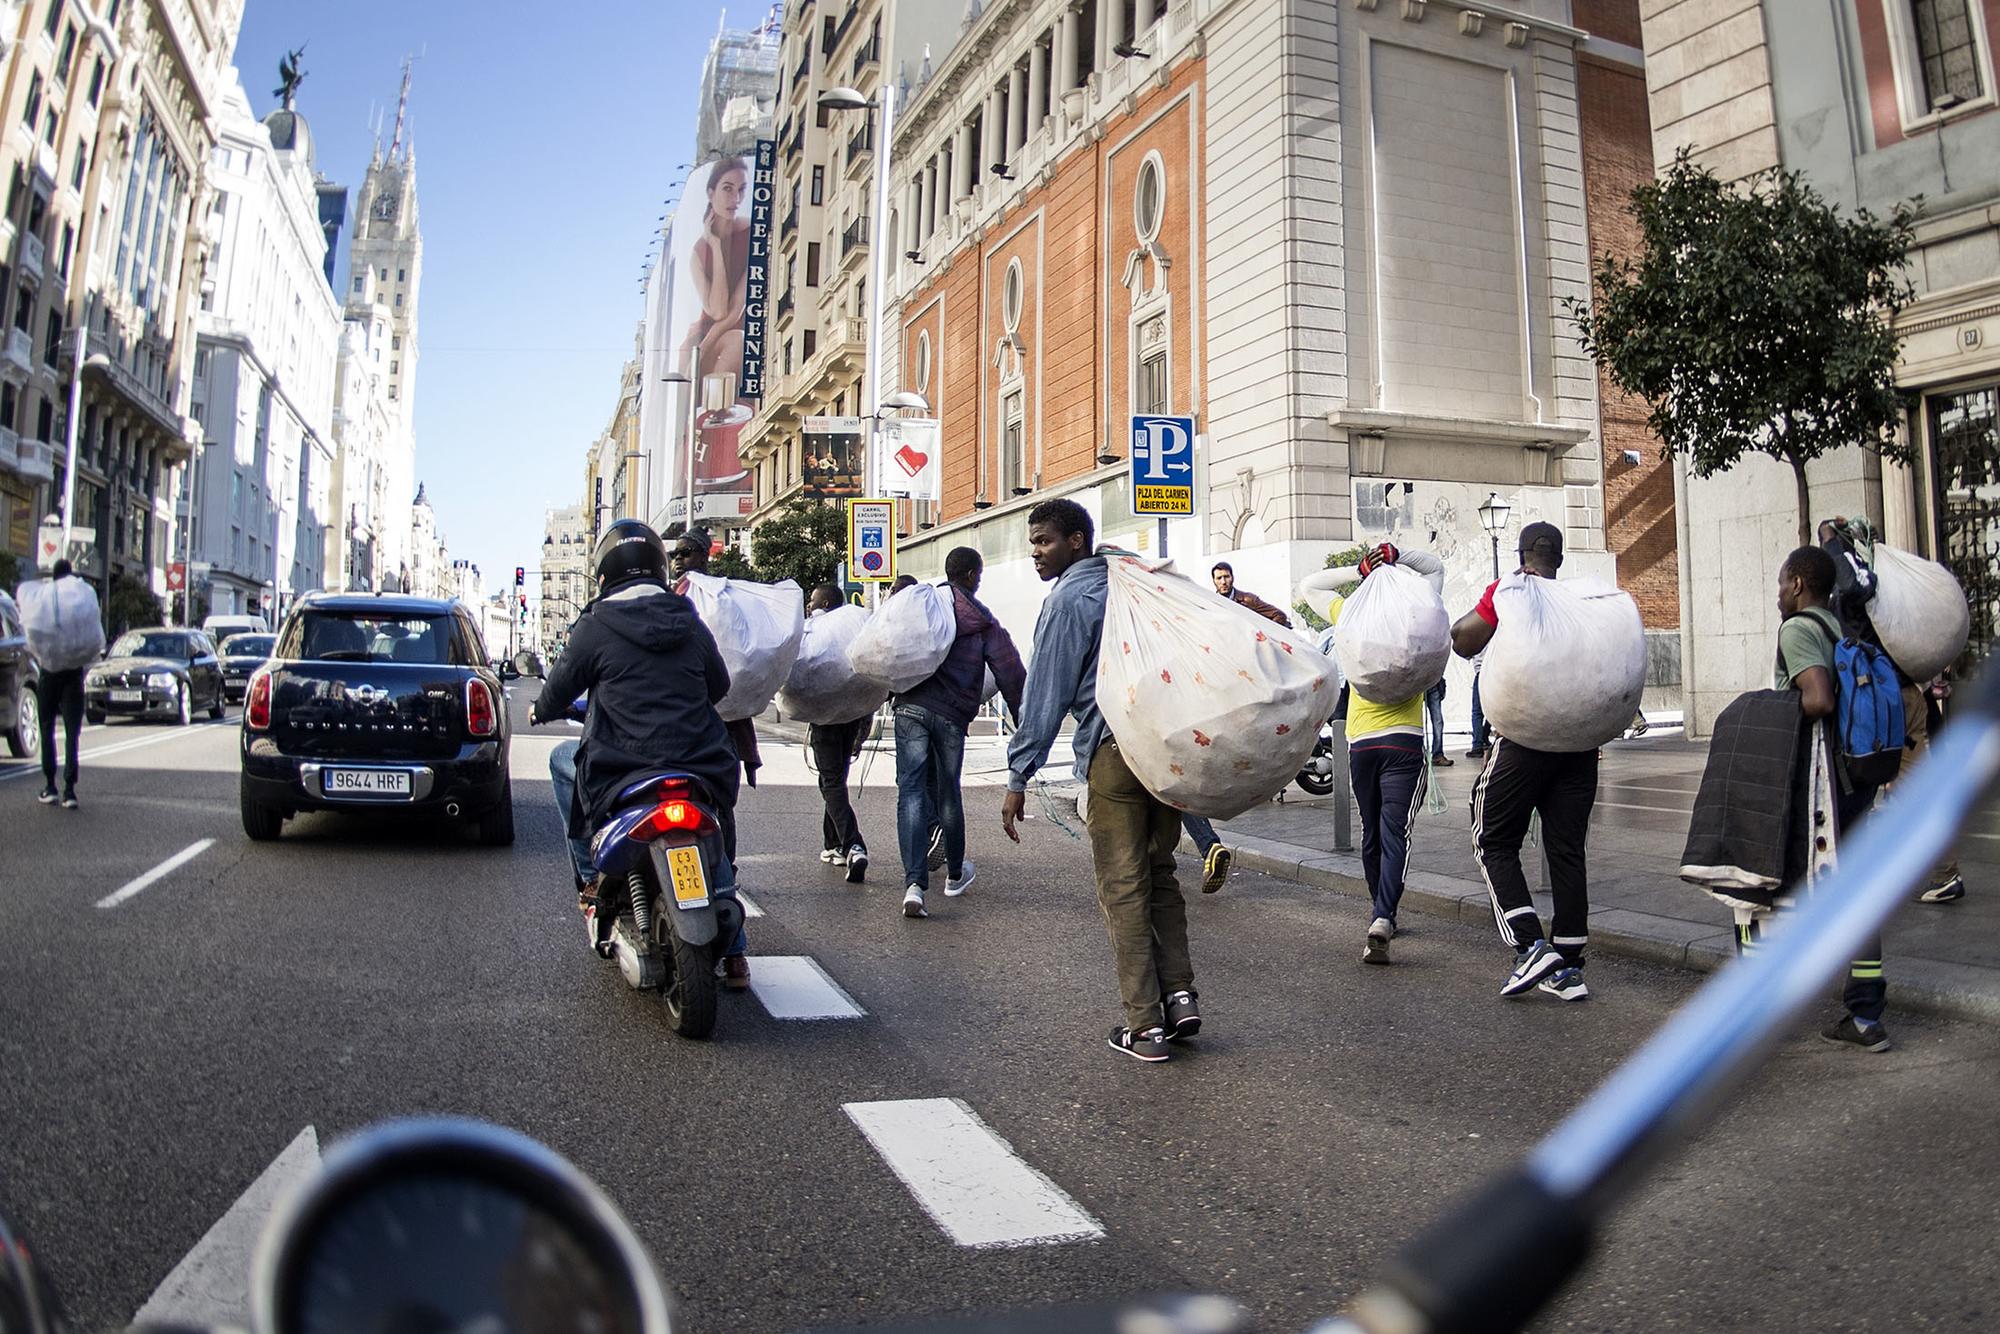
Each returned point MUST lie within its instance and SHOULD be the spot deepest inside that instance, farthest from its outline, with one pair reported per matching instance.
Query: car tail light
(257, 702)
(676, 813)
(480, 718)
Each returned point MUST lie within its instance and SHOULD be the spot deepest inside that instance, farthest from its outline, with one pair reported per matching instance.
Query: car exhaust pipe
(451, 809)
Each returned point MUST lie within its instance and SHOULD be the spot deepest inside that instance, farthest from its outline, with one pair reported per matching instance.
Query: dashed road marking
(116, 748)
(793, 986)
(165, 868)
(968, 1179)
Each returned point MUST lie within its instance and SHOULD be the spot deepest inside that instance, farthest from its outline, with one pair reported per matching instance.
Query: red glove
(1385, 554)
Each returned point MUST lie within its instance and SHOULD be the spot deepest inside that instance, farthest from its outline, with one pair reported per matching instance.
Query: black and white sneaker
(1183, 1015)
(913, 902)
(69, 801)
(47, 796)
(1531, 965)
(1950, 891)
(857, 864)
(828, 854)
(1150, 1045)
(957, 884)
(934, 855)
(1380, 932)
(1852, 1032)
(1566, 984)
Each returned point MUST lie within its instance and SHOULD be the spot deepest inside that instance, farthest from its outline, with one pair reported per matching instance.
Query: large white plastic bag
(1214, 708)
(907, 638)
(62, 623)
(757, 627)
(1566, 668)
(1919, 612)
(823, 686)
(1393, 636)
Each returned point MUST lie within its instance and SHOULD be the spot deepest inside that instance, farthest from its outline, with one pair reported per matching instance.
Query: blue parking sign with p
(1162, 465)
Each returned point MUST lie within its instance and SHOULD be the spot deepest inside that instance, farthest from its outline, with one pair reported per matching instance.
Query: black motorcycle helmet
(630, 550)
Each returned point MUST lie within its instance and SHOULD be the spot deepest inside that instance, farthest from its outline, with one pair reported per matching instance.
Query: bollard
(1343, 791)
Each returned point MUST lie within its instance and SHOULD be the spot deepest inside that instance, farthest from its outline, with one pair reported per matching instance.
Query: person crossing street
(834, 747)
(63, 652)
(931, 720)
(1517, 783)
(1132, 832)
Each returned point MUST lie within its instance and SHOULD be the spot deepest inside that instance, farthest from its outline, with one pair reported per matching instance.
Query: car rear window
(248, 646)
(330, 636)
(153, 644)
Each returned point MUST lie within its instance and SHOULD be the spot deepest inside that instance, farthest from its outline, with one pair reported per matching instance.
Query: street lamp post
(687, 445)
(1493, 518)
(848, 99)
(77, 364)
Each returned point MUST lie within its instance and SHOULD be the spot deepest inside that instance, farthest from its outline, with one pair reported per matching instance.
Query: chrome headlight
(160, 680)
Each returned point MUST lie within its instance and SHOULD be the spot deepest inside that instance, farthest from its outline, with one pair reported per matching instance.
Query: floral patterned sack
(1214, 708)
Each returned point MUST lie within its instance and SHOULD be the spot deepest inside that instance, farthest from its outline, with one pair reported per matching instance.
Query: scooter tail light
(480, 718)
(257, 702)
(675, 813)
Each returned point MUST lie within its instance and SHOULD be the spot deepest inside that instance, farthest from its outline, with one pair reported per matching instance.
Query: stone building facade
(1877, 102)
(108, 112)
(1339, 236)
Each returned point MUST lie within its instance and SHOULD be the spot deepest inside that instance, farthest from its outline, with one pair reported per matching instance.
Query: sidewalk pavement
(1939, 957)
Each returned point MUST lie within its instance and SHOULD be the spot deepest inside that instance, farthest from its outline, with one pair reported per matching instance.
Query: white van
(219, 628)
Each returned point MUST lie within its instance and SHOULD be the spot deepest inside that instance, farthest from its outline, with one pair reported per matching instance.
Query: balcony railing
(854, 238)
(867, 54)
(10, 447)
(34, 254)
(20, 350)
(803, 68)
(861, 147)
(840, 28)
(785, 304)
(791, 222)
(37, 460)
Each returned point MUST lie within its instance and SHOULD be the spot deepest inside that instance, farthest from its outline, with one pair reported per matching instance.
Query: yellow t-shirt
(1365, 718)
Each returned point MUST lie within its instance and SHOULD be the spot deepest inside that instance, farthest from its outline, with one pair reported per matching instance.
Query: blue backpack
(1868, 722)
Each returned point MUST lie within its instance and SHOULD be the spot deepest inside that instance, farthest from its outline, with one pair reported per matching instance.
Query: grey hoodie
(1062, 676)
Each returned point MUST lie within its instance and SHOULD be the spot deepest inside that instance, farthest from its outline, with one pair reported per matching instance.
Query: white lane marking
(210, 1287)
(793, 986)
(750, 908)
(968, 1179)
(119, 747)
(167, 867)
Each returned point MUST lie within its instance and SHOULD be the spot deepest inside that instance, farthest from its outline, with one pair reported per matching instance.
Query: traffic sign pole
(1161, 481)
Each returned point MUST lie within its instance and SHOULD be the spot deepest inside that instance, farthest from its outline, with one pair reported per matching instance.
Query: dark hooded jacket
(953, 691)
(654, 677)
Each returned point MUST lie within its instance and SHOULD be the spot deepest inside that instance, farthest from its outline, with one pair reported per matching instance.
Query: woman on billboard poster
(720, 264)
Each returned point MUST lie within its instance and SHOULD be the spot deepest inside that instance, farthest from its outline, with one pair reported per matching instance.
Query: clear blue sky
(547, 137)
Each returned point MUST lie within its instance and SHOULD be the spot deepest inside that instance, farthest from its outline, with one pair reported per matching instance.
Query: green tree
(729, 563)
(131, 605)
(10, 571)
(804, 542)
(1758, 319)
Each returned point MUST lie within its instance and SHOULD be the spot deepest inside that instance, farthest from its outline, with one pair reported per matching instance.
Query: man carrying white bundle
(1517, 783)
(1132, 832)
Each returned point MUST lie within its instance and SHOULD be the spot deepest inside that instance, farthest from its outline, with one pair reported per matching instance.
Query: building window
(33, 111)
(77, 169)
(382, 275)
(1153, 395)
(396, 343)
(55, 18)
(97, 81)
(1940, 56)
(921, 381)
(812, 264)
(1149, 197)
(67, 55)
(402, 275)
(1011, 295)
(1013, 426)
(399, 300)
(811, 344)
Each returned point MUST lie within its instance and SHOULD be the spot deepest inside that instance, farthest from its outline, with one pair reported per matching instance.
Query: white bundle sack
(907, 638)
(1214, 708)
(1393, 636)
(62, 623)
(823, 686)
(758, 628)
(1566, 668)
(1919, 612)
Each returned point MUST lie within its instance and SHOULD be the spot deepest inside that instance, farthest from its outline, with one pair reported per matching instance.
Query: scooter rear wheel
(691, 988)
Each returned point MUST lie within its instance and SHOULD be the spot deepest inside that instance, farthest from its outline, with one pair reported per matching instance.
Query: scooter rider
(654, 675)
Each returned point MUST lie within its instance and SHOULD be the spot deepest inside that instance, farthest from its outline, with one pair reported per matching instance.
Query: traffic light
(520, 575)
(524, 608)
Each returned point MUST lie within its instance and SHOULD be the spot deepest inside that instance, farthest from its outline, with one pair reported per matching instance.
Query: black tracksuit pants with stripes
(1561, 787)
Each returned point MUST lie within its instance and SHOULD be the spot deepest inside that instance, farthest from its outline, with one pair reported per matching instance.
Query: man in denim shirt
(1132, 832)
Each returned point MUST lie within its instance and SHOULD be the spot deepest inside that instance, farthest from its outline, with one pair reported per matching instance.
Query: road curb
(1951, 990)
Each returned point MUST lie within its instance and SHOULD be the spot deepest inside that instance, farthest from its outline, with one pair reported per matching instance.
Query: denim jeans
(930, 750)
(1201, 831)
(1478, 717)
(1434, 718)
(562, 773)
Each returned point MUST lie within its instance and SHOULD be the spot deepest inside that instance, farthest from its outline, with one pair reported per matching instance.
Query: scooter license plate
(690, 885)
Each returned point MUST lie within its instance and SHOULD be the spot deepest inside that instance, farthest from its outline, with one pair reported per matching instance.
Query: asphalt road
(156, 1056)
